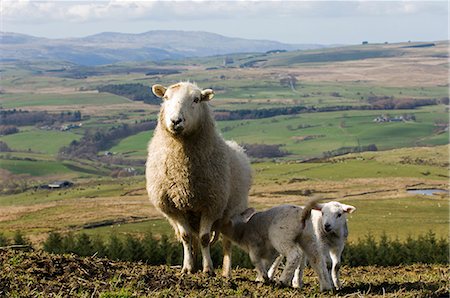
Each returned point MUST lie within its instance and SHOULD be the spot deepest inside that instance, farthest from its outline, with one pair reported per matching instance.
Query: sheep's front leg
(188, 251)
(335, 255)
(292, 261)
(205, 239)
(226, 266)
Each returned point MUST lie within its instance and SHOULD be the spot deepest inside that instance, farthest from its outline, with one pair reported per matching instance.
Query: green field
(18, 100)
(134, 146)
(36, 140)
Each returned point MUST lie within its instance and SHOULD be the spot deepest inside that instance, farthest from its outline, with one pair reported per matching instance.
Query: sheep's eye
(339, 214)
(197, 99)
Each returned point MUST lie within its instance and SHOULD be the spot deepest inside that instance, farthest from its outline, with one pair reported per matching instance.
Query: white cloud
(28, 11)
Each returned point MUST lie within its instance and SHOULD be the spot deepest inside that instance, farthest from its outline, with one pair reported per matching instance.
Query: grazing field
(37, 140)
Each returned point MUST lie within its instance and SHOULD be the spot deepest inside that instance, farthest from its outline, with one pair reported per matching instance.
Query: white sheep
(279, 230)
(328, 222)
(195, 178)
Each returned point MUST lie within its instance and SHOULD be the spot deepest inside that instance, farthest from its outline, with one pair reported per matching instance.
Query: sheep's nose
(327, 227)
(176, 121)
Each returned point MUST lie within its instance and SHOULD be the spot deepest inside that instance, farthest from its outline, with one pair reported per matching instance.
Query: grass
(134, 146)
(17, 100)
(37, 273)
(37, 140)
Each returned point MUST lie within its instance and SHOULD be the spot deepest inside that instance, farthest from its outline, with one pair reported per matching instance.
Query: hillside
(31, 274)
(111, 47)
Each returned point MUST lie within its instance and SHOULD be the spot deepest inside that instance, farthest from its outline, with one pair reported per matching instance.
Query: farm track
(35, 273)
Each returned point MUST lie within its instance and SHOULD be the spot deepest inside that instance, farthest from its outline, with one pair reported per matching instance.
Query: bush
(367, 251)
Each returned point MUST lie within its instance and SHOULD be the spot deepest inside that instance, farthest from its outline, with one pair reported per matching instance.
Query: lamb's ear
(247, 214)
(159, 90)
(317, 207)
(348, 208)
(207, 94)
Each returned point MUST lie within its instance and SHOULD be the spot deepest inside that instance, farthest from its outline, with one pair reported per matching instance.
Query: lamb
(194, 177)
(328, 222)
(279, 230)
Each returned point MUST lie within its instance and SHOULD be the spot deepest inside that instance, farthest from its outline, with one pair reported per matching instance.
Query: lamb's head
(334, 215)
(184, 106)
(229, 227)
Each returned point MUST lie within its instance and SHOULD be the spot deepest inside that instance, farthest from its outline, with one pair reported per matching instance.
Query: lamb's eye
(197, 99)
(339, 215)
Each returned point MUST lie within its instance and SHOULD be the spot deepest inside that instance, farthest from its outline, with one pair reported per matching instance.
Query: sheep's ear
(207, 94)
(317, 207)
(348, 208)
(159, 90)
(248, 213)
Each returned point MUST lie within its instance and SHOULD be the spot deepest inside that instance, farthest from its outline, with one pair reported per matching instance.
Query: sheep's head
(183, 106)
(334, 215)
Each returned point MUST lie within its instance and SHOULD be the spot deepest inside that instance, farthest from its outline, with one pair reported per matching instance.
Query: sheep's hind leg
(205, 238)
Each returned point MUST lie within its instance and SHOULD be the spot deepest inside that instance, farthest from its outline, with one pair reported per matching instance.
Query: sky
(298, 22)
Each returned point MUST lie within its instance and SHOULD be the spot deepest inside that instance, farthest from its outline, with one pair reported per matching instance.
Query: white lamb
(328, 222)
(195, 178)
(279, 230)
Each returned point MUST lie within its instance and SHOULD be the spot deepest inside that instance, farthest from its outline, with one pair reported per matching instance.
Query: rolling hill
(111, 47)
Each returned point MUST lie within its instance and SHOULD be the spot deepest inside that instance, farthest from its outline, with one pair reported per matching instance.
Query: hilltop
(111, 47)
(35, 273)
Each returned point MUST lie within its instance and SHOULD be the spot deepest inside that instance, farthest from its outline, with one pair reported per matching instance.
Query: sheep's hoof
(226, 275)
(187, 271)
(209, 272)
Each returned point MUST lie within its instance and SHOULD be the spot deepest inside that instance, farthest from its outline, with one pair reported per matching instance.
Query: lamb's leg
(335, 255)
(188, 253)
(292, 261)
(274, 267)
(226, 266)
(297, 281)
(317, 261)
(261, 270)
(205, 238)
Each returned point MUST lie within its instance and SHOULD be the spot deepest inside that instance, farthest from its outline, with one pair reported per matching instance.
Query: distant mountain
(111, 47)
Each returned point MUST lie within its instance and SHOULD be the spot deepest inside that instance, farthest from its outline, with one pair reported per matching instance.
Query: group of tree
(8, 130)
(392, 103)
(94, 141)
(346, 150)
(264, 150)
(133, 91)
(258, 113)
(22, 118)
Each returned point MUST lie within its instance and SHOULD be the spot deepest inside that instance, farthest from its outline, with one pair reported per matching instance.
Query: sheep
(194, 177)
(328, 222)
(279, 230)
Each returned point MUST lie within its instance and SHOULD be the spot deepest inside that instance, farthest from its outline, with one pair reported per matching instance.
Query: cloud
(28, 11)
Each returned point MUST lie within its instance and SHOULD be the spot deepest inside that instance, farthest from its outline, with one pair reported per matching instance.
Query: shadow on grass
(433, 289)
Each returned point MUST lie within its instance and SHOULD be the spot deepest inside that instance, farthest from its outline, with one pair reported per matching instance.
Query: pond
(426, 192)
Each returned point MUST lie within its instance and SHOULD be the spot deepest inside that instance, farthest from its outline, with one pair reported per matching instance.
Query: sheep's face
(183, 106)
(334, 215)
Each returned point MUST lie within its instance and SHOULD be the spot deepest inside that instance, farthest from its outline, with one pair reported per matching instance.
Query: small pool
(426, 192)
